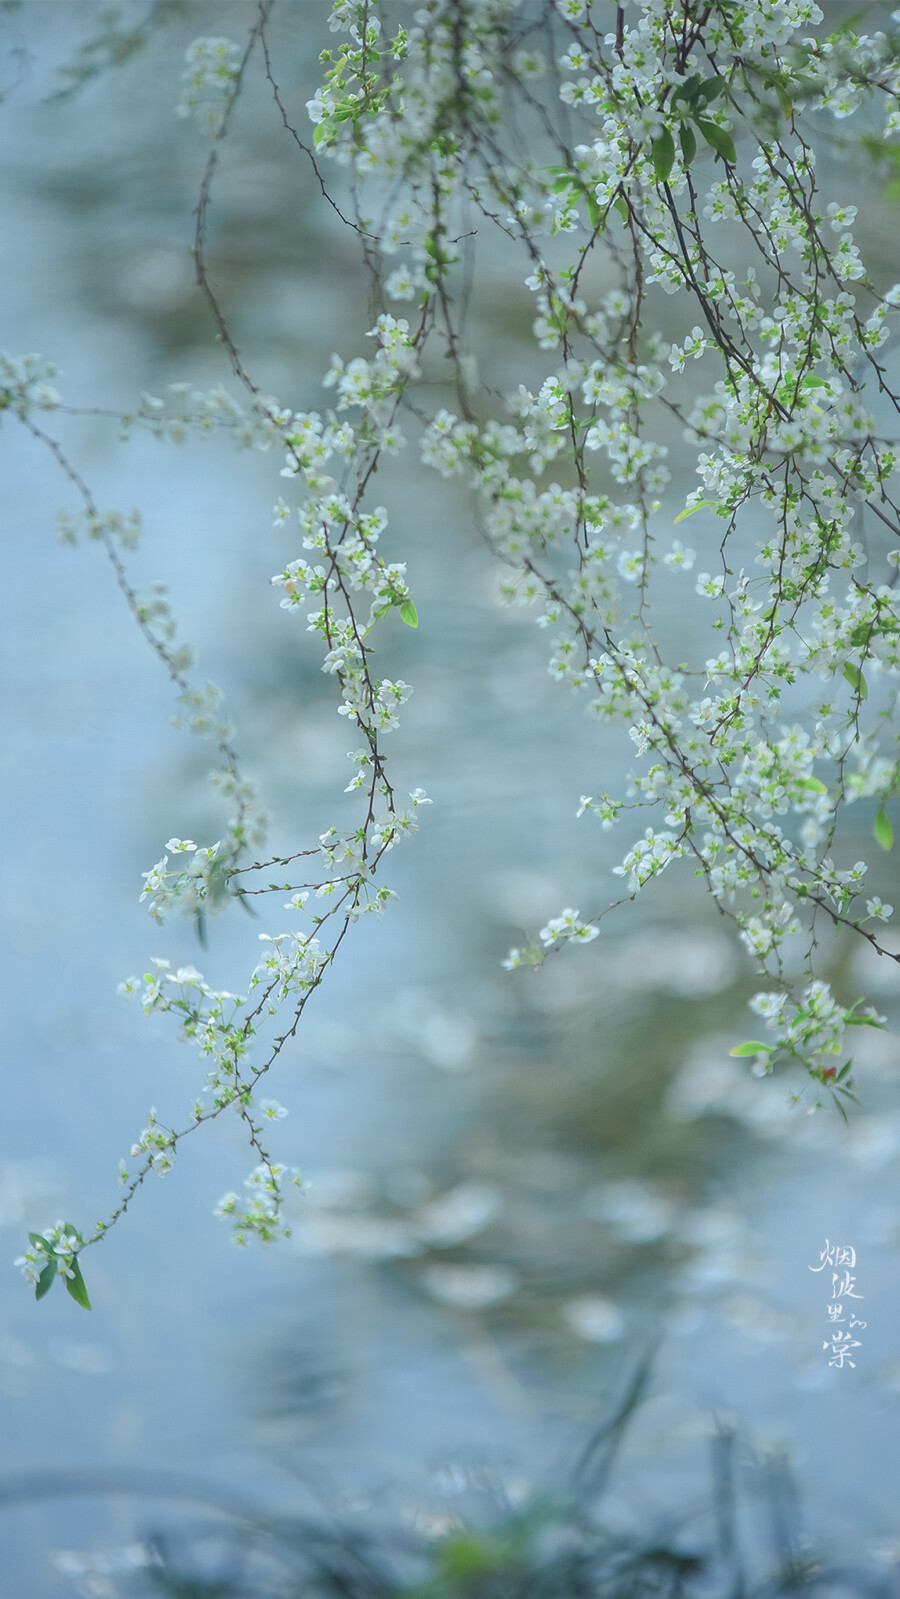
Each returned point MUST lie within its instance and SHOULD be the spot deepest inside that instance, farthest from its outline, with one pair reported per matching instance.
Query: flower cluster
(187, 410)
(209, 82)
(258, 1213)
(25, 384)
(54, 1253)
(122, 528)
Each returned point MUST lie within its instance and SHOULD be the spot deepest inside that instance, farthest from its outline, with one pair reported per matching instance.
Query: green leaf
(855, 679)
(45, 1281)
(702, 505)
(663, 151)
(865, 1021)
(688, 89)
(785, 101)
(38, 1241)
(811, 783)
(721, 142)
(466, 1559)
(409, 614)
(884, 832)
(75, 1286)
(752, 1047)
(688, 141)
(621, 205)
(709, 91)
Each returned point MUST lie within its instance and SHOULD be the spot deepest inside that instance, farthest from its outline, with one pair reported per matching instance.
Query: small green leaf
(855, 679)
(38, 1241)
(752, 1047)
(409, 614)
(75, 1286)
(702, 505)
(621, 205)
(721, 142)
(663, 151)
(45, 1281)
(812, 784)
(884, 832)
(688, 141)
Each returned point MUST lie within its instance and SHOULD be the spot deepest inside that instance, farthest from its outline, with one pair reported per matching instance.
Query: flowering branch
(659, 184)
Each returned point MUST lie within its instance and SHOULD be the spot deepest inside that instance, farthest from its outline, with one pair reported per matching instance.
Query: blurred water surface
(517, 1181)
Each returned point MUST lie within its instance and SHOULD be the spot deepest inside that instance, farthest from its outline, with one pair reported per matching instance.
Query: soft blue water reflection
(514, 1179)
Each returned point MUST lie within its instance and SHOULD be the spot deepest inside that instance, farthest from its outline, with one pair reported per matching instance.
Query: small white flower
(841, 216)
(711, 587)
(880, 911)
(631, 565)
(568, 926)
(271, 1110)
(680, 559)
